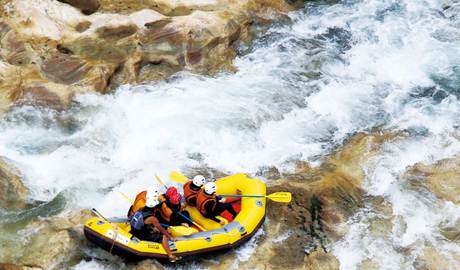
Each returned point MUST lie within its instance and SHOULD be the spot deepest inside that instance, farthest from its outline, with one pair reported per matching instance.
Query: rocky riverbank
(52, 50)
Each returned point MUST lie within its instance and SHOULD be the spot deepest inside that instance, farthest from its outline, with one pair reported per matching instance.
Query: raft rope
(115, 235)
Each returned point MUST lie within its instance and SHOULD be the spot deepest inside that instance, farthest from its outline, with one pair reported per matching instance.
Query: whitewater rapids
(301, 89)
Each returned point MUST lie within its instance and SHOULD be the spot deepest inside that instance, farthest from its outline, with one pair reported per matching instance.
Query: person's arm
(154, 222)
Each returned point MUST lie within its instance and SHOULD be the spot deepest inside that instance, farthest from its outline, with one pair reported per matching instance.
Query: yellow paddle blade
(182, 230)
(281, 196)
(178, 177)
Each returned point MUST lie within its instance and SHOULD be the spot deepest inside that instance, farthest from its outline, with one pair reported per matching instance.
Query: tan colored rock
(10, 85)
(451, 232)
(440, 178)
(368, 264)
(147, 40)
(69, 70)
(13, 192)
(167, 7)
(319, 260)
(433, 259)
(12, 49)
(54, 241)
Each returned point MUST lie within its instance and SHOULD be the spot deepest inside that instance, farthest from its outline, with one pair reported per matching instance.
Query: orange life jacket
(138, 204)
(190, 194)
(140, 201)
(202, 199)
(166, 212)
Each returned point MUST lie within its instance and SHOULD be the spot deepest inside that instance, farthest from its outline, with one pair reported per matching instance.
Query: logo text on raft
(153, 246)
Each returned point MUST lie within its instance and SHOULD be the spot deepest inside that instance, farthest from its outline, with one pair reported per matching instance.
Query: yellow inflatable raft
(114, 235)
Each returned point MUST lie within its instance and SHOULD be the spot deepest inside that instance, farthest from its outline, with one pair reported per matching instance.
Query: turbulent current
(302, 88)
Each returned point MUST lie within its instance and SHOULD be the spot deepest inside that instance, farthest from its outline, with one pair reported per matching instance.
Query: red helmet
(175, 198)
(170, 192)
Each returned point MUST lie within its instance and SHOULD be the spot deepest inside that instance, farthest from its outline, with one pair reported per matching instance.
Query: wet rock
(10, 266)
(13, 192)
(451, 231)
(324, 198)
(146, 40)
(86, 6)
(41, 96)
(68, 70)
(54, 241)
(148, 265)
(434, 259)
(440, 178)
(12, 49)
(320, 260)
(368, 264)
(10, 84)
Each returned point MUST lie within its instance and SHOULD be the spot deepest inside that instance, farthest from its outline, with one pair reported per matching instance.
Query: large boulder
(13, 192)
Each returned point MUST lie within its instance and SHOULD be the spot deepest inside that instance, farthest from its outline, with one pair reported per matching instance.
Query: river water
(301, 89)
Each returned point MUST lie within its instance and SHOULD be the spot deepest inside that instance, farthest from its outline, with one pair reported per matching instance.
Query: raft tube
(114, 235)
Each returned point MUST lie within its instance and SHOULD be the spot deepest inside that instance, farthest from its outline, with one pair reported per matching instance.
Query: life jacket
(190, 193)
(138, 204)
(137, 219)
(202, 199)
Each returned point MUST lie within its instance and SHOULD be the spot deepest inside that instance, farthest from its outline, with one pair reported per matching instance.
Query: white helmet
(198, 180)
(210, 188)
(151, 198)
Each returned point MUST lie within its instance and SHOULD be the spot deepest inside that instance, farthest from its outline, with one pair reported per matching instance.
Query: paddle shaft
(242, 196)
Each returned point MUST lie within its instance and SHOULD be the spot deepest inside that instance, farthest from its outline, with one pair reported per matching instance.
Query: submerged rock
(440, 178)
(13, 192)
(434, 259)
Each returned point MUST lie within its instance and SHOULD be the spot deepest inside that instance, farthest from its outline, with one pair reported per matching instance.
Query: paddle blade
(178, 177)
(281, 196)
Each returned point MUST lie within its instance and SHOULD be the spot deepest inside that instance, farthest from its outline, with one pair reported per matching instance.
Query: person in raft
(210, 205)
(172, 210)
(140, 200)
(145, 226)
(191, 189)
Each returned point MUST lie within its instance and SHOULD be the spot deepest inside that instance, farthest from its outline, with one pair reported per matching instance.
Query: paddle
(182, 215)
(178, 230)
(99, 215)
(178, 177)
(282, 196)
(113, 225)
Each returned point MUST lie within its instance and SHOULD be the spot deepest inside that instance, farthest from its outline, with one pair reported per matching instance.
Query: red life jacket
(202, 199)
(190, 194)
